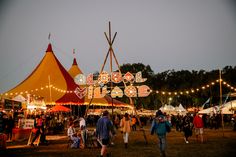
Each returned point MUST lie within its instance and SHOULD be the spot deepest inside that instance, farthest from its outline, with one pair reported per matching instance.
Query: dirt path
(215, 146)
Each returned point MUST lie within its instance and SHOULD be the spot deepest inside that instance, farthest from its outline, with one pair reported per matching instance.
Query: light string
(170, 93)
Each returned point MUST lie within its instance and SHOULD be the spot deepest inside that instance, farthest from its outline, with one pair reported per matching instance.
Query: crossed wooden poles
(112, 55)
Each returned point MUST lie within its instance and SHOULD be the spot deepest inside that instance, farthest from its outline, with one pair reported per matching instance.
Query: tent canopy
(225, 109)
(50, 81)
(59, 108)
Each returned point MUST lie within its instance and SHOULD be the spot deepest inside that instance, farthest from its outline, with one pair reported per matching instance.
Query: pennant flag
(208, 100)
(49, 36)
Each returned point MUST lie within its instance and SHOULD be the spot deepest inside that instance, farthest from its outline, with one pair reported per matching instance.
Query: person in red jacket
(198, 126)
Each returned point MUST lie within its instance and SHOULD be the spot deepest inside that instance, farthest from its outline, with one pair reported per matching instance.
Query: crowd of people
(106, 127)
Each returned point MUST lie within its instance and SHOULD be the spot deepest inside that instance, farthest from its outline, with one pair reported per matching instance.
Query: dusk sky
(165, 34)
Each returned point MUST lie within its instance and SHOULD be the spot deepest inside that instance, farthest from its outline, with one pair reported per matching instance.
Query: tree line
(172, 80)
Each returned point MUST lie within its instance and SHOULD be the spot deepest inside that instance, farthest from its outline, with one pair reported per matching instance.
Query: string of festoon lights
(194, 90)
(170, 93)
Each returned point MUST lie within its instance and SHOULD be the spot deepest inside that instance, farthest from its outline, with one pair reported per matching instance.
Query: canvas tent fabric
(59, 108)
(74, 70)
(19, 98)
(210, 110)
(169, 109)
(49, 80)
(225, 109)
(180, 110)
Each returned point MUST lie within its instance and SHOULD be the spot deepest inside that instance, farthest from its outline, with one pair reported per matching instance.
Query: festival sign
(94, 91)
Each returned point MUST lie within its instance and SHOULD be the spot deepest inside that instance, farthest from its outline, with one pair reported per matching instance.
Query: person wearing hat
(159, 125)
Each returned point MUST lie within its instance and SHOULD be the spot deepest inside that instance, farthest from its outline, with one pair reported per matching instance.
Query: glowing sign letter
(143, 91)
(138, 77)
(130, 91)
(116, 92)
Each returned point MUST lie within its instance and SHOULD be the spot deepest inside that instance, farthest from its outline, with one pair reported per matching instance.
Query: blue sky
(165, 34)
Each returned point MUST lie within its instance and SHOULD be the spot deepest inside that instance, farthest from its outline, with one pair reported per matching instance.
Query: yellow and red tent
(49, 81)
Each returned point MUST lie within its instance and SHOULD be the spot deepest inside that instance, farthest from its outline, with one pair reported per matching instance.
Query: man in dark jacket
(103, 130)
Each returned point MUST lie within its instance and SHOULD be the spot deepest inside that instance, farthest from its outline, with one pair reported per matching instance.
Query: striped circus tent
(49, 81)
(74, 69)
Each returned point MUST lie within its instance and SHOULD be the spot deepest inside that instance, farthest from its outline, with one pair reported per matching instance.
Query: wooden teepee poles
(112, 55)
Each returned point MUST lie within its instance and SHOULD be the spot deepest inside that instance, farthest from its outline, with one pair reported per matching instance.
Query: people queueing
(198, 126)
(103, 130)
(159, 127)
(72, 134)
(125, 125)
(187, 127)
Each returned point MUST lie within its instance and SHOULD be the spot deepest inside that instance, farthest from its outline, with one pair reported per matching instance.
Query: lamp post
(170, 99)
(221, 105)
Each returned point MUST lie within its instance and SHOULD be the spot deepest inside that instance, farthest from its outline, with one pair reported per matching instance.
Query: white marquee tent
(226, 108)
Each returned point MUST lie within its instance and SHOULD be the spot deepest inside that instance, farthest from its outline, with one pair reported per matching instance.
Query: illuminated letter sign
(81, 92)
(98, 89)
(143, 91)
(116, 92)
(130, 91)
(128, 77)
(116, 77)
(90, 92)
(80, 79)
(98, 93)
(138, 77)
(89, 79)
(103, 78)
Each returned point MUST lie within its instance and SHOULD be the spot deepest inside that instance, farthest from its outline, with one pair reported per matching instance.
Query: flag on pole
(49, 36)
(208, 100)
(226, 98)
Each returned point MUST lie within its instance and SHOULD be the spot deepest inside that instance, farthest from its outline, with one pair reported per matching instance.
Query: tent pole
(221, 105)
(50, 89)
(87, 108)
(140, 124)
(112, 54)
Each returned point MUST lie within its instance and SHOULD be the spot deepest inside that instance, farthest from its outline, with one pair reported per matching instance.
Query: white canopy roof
(19, 98)
(226, 108)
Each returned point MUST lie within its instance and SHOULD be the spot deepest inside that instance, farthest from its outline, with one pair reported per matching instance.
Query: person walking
(134, 121)
(103, 129)
(187, 127)
(125, 125)
(159, 125)
(198, 126)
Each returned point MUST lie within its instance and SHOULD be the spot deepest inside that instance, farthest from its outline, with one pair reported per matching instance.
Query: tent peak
(74, 62)
(49, 49)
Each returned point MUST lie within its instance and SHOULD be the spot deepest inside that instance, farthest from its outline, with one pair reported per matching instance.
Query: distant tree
(172, 80)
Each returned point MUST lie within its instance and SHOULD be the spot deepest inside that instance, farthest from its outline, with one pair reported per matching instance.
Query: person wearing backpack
(159, 125)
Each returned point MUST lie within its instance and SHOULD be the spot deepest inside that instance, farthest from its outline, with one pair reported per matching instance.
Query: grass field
(216, 145)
